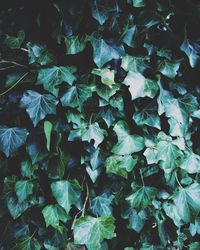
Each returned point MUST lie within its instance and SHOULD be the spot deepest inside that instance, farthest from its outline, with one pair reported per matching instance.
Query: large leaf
(142, 197)
(66, 193)
(51, 77)
(127, 143)
(11, 139)
(187, 201)
(37, 105)
(139, 86)
(92, 231)
(103, 52)
(191, 163)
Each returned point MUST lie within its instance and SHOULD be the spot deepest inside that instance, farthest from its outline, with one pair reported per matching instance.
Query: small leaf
(11, 139)
(27, 243)
(169, 68)
(53, 214)
(192, 50)
(23, 189)
(191, 163)
(47, 130)
(101, 205)
(15, 42)
(37, 105)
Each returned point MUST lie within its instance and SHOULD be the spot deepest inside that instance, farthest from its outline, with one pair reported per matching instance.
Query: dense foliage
(99, 124)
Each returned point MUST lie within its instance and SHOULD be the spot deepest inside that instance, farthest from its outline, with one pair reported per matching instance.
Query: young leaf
(27, 243)
(47, 130)
(192, 50)
(102, 205)
(23, 189)
(15, 42)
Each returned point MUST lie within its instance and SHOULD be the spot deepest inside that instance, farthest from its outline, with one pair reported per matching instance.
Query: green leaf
(103, 52)
(191, 163)
(99, 11)
(139, 86)
(169, 68)
(94, 132)
(53, 214)
(136, 64)
(23, 189)
(107, 75)
(138, 3)
(52, 77)
(39, 54)
(147, 116)
(28, 169)
(15, 42)
(75, 45)
(191, 49)
(102, 205)
(194, 246)
(48, 130)
(142, 197)
(92, 231)
(37, 105)
(11, 139)
(146, 246)
(15, 208)
(127, 143)
(27, 243)
(66, 193)
(75, 96)
(120, 165)
(187, 202)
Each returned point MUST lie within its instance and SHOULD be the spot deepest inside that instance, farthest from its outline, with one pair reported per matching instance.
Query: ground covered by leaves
(99, 124)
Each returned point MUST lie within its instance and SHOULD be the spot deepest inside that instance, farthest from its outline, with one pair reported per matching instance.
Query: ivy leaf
(187, 202)
(92, 231)
(147, 116)
(15, 42)
(139, 86)
(142, 197)
(146, 246)
(191, 163)
(103, 52)
(192, 50)
(138, 3)
(136, 64)
(27, 243)
(39, 54)
(53, 214)
(107, 75)
(11, 139)
(23, 189)
(169, 68)
(37, 105)
(120, 165)
(66, 193)
(75, 96)
(48, 130)
(94, 132)
(51, 77)
(15, 208)
(102, 205)
(99, 11)
(75, 45)
(127, 143)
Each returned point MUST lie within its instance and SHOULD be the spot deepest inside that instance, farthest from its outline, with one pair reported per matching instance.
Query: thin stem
(142, 178)
(6, 91)
(9, 67)
(86, 200)
(178, 180)
(13, 62)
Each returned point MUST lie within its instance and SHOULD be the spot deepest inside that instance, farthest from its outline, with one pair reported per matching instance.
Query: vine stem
(86, 200)
(13, 62)
(142, 178)
(178, 180)
(15, 84)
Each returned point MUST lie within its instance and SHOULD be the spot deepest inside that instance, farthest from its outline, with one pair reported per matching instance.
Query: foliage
(99, 124)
